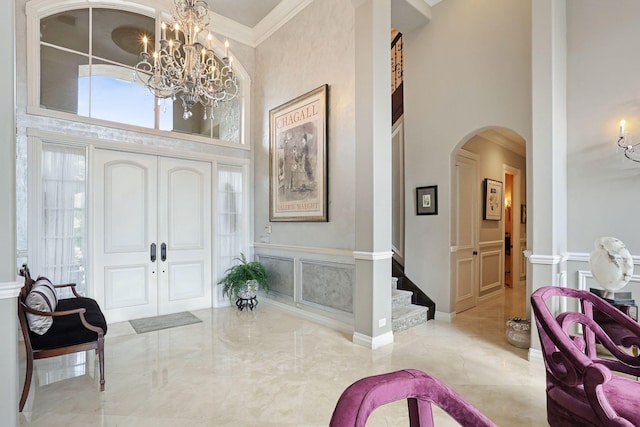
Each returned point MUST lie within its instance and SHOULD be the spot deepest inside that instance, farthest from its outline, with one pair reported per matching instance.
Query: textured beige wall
(314, 48)
(467, 70)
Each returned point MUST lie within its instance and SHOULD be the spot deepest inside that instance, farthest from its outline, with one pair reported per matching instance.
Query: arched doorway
(488, 221)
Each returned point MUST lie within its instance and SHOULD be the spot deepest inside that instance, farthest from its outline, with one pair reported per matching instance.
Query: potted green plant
(241, 281)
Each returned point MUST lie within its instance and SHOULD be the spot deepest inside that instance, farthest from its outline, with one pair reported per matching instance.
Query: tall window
(87, 57)
(230, 229)
(64, 220)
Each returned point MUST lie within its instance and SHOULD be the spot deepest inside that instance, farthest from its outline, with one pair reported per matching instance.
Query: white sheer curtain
(230, 225)
(64, 229)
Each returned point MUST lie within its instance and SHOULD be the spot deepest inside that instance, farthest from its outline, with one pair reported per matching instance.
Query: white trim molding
(491, 243)
(372, 256)
(373, 342)
(584, 257)
(545, 259)
(9, 290)
(308, 249)
(583, 275)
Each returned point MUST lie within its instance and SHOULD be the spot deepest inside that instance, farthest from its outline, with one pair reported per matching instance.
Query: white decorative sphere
(611, 263)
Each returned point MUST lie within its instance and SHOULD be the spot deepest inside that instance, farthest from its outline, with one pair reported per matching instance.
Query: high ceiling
(245, 12)
(251, 12)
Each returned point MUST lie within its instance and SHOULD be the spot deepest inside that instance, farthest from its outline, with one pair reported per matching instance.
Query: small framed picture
(427, 200)
(493, 199)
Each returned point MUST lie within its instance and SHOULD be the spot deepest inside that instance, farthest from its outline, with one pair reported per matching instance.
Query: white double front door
(152, 239)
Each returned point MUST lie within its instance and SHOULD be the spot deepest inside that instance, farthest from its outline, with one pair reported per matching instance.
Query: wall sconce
(630, 151)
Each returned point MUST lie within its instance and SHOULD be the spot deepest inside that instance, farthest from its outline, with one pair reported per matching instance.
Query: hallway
(269, 368)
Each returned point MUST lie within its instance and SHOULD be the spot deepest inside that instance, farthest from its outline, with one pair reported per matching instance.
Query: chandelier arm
(631, 150)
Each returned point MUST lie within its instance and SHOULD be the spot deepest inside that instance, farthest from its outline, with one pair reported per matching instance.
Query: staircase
(405, 315)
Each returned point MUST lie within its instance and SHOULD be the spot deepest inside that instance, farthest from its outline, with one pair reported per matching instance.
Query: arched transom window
(86, 61)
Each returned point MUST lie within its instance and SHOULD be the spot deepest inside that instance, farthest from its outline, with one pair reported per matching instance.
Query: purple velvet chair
(420, 389)
(585, 388)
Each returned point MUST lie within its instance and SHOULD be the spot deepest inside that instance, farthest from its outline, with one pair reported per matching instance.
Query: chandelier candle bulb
(622, 123)
(145, 41)
(187, 68)
(226, 48)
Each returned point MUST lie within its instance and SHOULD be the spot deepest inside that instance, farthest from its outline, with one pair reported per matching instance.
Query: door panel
(125, 225)
(466, 275)
(123, 286)
(185, 227)
(186, 281)
(125, 200)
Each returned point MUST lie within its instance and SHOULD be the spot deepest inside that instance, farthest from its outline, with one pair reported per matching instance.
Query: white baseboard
(323, 320)
(444, 317)
(535, 356)
(373, 342)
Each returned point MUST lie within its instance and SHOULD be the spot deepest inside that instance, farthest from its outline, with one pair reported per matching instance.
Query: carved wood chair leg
(27, 381)
(100, 351)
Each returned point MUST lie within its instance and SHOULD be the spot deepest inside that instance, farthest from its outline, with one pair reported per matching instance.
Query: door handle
(475, 252)
(153, 252)
(163, 252)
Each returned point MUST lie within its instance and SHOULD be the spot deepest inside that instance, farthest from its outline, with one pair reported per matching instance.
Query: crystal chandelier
(184, 67)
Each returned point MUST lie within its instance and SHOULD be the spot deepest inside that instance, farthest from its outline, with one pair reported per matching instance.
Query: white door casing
(516, 198)
(466, 240)
(141, 201)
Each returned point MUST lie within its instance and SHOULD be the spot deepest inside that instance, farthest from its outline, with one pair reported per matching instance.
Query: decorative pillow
(42, 297)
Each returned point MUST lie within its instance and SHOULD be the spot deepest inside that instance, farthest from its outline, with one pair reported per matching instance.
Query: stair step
(400, 298)
(406, 317)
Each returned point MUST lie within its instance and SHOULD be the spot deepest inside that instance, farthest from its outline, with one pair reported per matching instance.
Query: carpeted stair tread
(408, 316)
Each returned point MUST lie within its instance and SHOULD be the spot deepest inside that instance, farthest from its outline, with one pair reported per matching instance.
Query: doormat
(166, 321)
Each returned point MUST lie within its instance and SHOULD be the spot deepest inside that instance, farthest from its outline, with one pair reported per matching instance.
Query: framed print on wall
(493, 199)
(427, 200)
(298, 181)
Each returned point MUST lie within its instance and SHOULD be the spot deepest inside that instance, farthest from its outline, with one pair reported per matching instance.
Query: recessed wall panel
(328, 284)
(280, 274)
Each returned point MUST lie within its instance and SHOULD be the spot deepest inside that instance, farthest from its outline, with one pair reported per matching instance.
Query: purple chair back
(420, 389)
(581, 389)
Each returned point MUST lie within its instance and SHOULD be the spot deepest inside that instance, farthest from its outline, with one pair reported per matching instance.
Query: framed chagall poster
(298, 159)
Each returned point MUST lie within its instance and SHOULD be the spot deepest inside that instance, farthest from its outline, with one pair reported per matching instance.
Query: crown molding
(231, 29)
(279, 16)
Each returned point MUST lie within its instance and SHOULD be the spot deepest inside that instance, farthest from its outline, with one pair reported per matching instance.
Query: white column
(372, 293)
(548, 150)
(8, 289)
(9, 352)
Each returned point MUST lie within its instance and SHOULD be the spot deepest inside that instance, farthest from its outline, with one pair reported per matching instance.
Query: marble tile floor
(271, 368)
